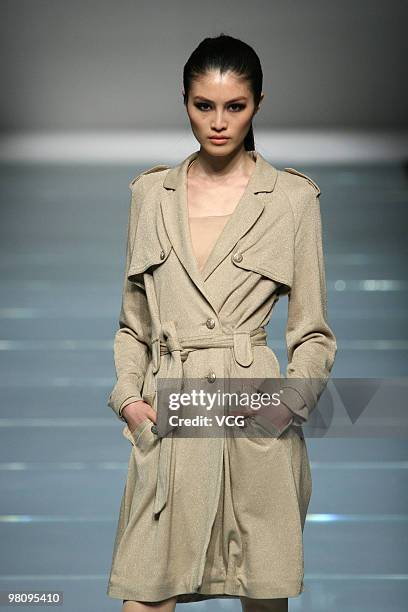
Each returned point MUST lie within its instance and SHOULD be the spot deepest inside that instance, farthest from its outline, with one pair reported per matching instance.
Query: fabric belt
(168, 342)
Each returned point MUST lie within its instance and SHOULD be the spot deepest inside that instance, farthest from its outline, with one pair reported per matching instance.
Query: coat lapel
(175, 215)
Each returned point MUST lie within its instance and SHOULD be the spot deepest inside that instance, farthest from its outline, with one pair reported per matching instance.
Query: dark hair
(225, 53)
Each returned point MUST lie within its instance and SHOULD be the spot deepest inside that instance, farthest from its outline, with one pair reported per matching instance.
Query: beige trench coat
(219, 516)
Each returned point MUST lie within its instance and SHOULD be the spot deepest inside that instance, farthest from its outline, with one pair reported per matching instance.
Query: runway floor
(63, 459)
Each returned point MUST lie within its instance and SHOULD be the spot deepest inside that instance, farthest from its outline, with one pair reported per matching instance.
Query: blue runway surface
(63, 458)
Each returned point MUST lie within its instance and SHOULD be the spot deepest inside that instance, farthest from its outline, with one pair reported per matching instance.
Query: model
(213, 243)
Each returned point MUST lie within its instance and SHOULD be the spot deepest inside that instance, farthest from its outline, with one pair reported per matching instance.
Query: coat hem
(211, 589)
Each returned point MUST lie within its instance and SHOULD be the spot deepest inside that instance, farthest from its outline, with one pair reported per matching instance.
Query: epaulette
(293, 171)
(157, 168)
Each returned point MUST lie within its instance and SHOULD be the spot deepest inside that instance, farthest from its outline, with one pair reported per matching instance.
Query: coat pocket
(263, 428)
(142, 436)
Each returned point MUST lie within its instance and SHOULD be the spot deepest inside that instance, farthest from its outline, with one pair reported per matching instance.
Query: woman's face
(220, 106)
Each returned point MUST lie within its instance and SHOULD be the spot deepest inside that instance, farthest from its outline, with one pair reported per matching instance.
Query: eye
(200, 105)
(238, 107)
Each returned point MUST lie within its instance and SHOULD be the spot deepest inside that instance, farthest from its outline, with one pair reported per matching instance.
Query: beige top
(204, 233)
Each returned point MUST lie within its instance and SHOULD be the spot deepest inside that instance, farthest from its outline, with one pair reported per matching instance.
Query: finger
(152, 414)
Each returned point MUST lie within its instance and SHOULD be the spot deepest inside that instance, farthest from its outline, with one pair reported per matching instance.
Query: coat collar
(175, 215)
(263, 178)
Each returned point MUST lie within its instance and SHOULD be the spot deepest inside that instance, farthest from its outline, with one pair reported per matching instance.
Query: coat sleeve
(132, 339)
(311, 343)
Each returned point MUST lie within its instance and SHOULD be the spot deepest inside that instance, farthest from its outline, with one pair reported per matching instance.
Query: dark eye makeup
(237, 106)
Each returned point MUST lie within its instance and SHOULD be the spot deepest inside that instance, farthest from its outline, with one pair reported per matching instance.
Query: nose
(219, 122)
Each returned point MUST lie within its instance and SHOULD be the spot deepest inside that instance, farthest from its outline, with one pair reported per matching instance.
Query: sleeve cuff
(293, 400)
(125, 392)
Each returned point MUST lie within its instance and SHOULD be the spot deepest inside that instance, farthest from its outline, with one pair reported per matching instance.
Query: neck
(217, 168)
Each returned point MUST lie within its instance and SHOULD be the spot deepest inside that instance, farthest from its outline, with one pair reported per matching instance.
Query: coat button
(154, 429)
(237, 256)
(210, 323)
(211, 377)
(162, 254)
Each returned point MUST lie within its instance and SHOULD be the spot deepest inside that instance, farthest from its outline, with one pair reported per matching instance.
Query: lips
(219, 138)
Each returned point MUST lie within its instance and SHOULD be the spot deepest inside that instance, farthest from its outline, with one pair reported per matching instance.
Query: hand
(279, 416)
(137, 412)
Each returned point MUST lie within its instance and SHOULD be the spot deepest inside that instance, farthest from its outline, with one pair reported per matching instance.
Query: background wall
(116, 67)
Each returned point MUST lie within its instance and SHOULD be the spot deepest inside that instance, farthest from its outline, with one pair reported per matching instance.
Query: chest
(204, 234)
(247, 254)
(220, 198)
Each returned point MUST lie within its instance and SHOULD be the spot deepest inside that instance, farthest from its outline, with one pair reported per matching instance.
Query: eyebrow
(228, 102)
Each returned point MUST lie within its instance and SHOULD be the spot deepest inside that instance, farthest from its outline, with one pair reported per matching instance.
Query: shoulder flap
(293, 171)
(157, 168)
